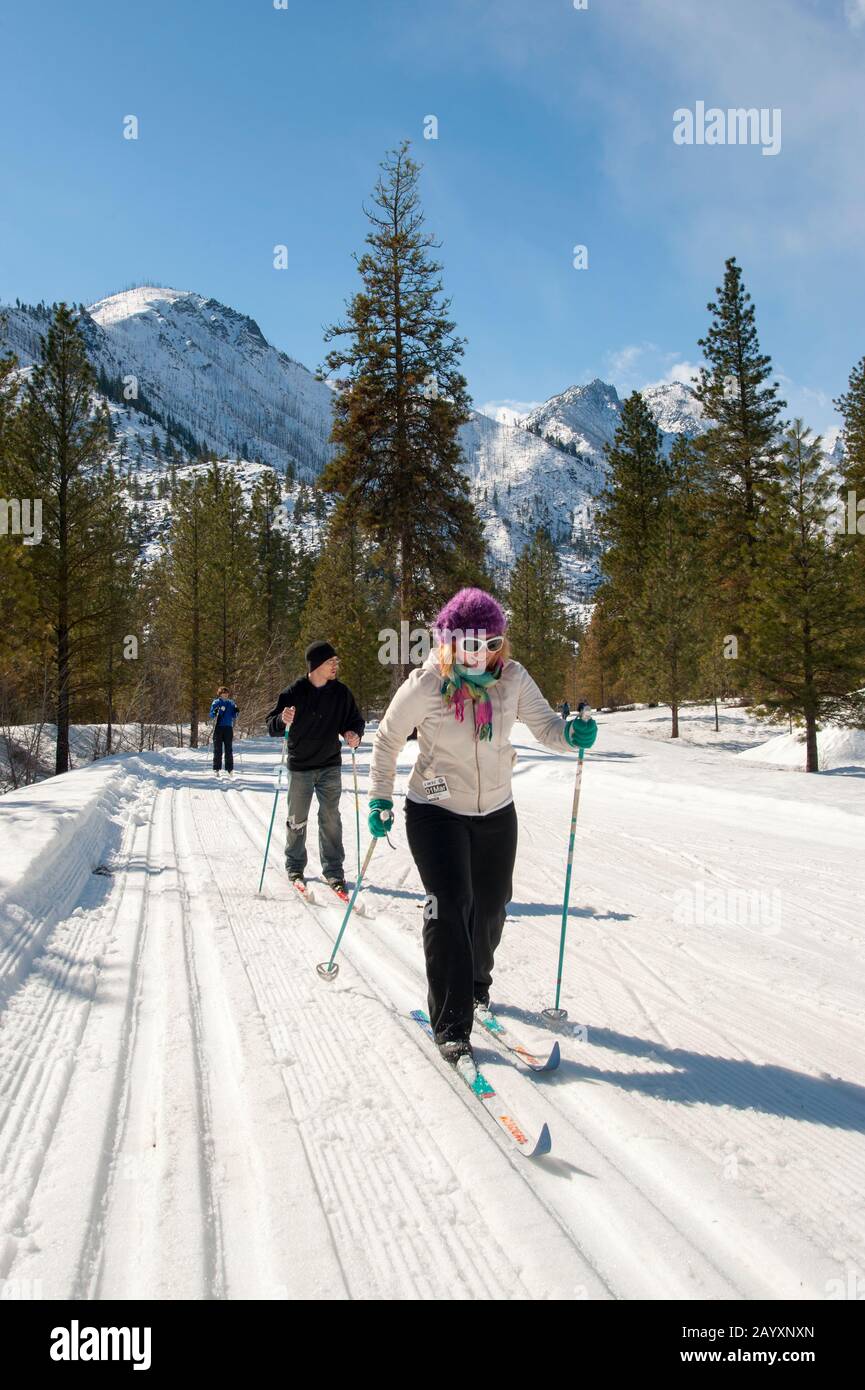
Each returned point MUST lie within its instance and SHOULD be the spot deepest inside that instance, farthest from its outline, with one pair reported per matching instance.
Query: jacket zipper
(478, 766)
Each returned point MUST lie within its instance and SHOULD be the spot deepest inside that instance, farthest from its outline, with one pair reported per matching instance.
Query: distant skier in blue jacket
(224, 711)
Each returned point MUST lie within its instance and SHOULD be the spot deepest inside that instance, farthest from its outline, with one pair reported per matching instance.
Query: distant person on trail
(317, 709)
(565, 709)
(460, 818)
(224, 711)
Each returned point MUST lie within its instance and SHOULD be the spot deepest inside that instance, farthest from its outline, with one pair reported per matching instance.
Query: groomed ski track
(188, 1111)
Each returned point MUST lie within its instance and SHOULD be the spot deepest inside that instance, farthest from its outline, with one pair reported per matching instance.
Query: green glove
(580, 733)
(380, 816)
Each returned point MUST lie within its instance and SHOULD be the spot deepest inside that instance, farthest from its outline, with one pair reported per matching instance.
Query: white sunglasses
(479, 644)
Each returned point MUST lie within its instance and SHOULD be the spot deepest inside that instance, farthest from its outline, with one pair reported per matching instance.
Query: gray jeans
(326, 782)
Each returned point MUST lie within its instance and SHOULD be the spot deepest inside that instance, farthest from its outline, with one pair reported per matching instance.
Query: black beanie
(317, 653)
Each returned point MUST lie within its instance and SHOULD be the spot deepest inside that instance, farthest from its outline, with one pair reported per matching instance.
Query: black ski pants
(466, 865)
(222, 739)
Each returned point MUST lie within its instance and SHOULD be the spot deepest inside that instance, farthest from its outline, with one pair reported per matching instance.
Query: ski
(479, 1086)
(360, 908)
(497, 1030)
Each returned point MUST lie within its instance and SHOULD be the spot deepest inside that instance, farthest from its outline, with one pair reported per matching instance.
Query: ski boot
(455, 1049)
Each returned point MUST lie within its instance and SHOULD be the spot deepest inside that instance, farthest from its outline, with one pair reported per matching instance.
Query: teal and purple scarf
(464, 685)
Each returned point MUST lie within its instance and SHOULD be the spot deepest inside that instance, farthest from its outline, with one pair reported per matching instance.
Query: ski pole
(327, 970)
(556, 1014)
(356, 808)
(275, 800)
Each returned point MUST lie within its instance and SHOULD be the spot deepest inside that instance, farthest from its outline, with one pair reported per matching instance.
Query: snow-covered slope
(675, 408)
(521, 482)
(212, 370)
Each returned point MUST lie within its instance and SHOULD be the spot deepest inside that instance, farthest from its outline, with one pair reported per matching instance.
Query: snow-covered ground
(187, 1110)
(838, 750)
(34, 746)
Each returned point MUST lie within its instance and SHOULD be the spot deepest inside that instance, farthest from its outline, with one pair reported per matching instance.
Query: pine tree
(808, 649)
(301, 504)
(349, 603)
(638, 481)
(228, 578)
(180, 585)
(272, 554)
(115, 555)
(739, 448)
(852, 500)
(21, 637)
(631, 506)
(852, 407)
(401, 401)
(541, 633)
(63, 443)
(666, 632)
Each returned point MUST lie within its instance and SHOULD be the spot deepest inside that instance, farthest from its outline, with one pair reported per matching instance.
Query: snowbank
(53, 835)
(838, 750)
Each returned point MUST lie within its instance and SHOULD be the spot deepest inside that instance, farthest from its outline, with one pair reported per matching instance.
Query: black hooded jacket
(321, 714)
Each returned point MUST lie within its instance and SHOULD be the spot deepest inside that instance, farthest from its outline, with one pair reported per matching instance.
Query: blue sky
(261, 126)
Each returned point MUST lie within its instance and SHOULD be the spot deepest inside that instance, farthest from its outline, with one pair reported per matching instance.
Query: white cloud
(638, 365)
(685, 372)
(855, 12)
(624, 362)
(507, 412)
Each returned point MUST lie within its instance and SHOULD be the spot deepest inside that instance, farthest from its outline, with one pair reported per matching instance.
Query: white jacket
(477, 771)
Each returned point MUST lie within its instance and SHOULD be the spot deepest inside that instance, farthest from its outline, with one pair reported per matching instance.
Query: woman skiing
(461, 822)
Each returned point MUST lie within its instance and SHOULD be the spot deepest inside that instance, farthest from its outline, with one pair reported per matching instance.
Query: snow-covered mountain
(204, 377)
(204, 371)
(584, 419)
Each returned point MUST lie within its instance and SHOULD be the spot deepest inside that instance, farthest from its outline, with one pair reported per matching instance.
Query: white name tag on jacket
(436, 789)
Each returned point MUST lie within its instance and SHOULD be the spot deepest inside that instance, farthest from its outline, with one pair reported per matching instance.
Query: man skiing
(461, 823)
(315, 710)
(224, 711)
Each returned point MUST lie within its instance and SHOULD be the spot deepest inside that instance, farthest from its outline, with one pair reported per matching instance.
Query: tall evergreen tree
(349, 603)
(852, 500)
(541, 633)
(115, 554)
(272, 592)
(228, 594)
(807, 649)
(632, 500)
(631, 507)
(852, 407)
(667, 632)
(401, 401)
(21, 636)
(63, 443)
(179, 617)
(739, 448)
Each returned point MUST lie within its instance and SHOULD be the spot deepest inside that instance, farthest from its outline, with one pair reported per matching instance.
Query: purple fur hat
(471, 610)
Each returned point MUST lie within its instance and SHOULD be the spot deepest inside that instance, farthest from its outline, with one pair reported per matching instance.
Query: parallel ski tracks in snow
(604, 1224)
(42, 1030)
(432, 1240)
